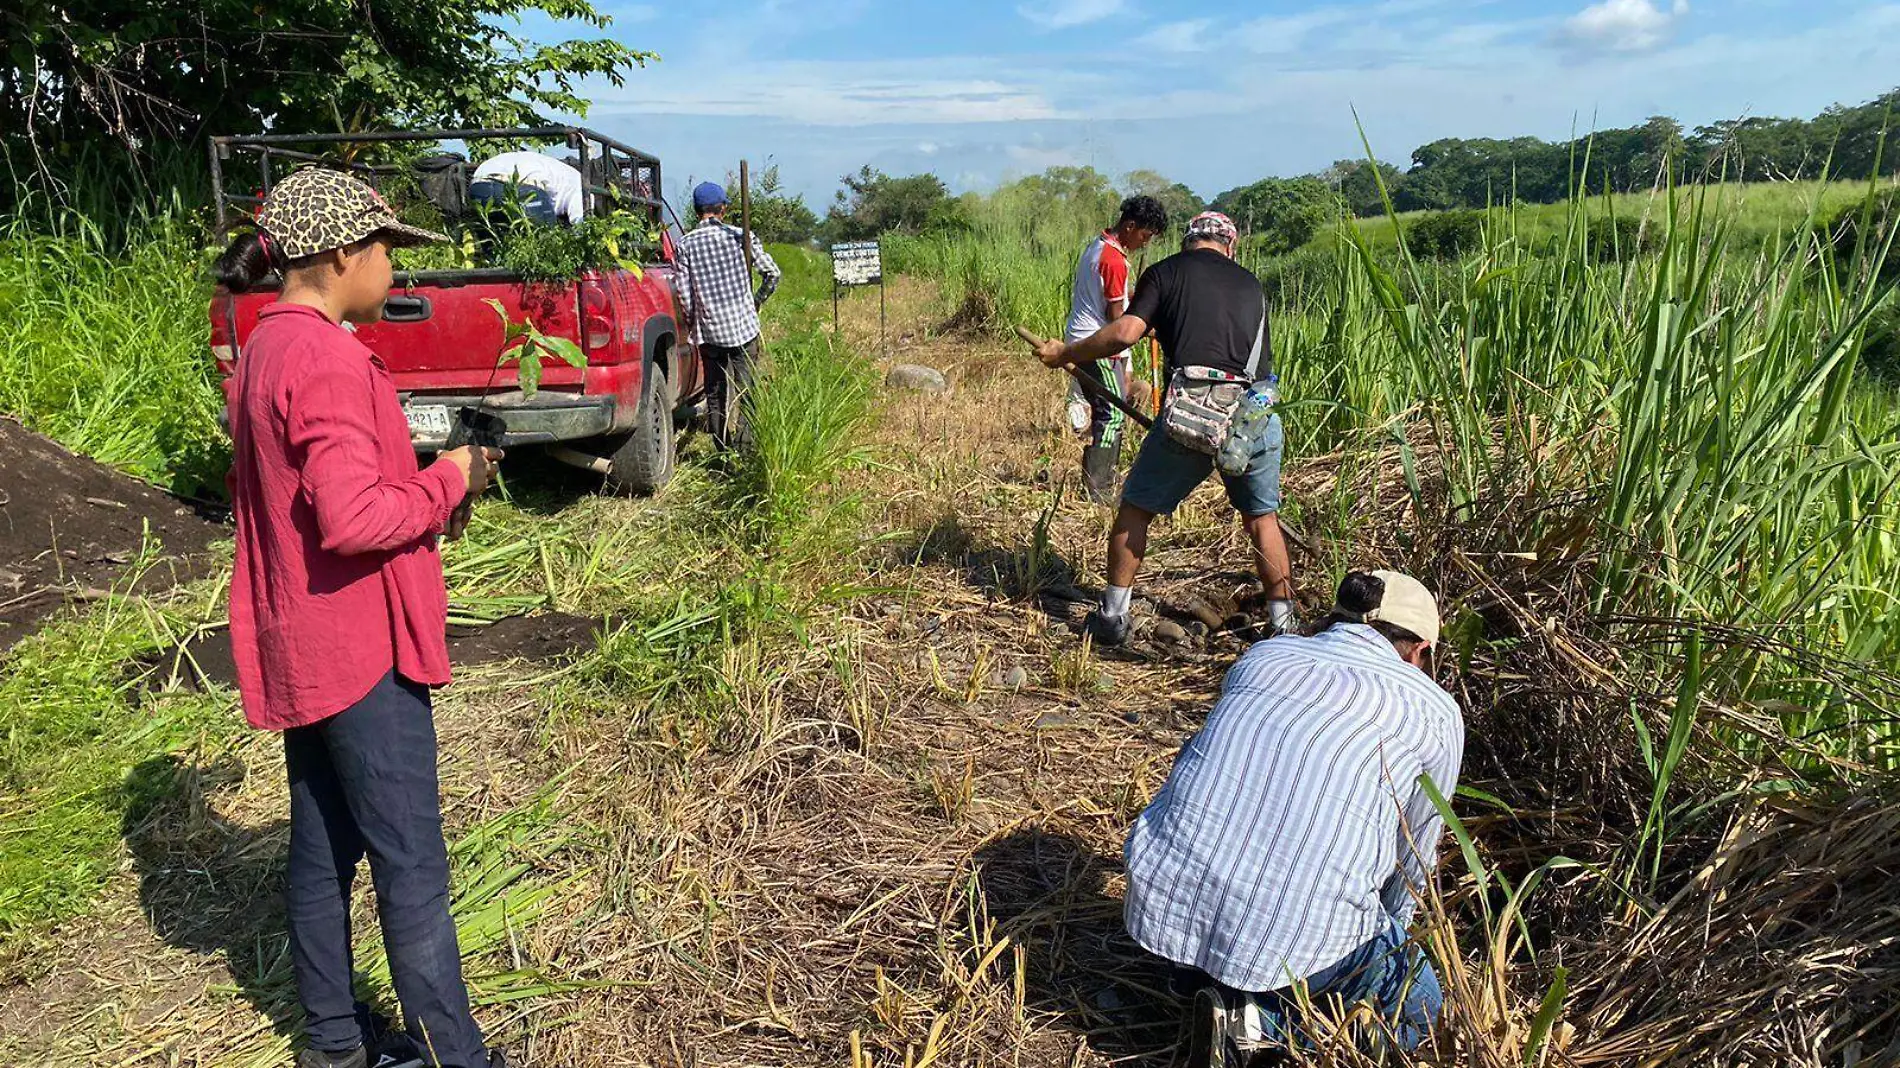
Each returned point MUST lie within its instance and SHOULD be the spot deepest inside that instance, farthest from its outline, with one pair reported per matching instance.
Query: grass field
(1757, 214)
(790, 810)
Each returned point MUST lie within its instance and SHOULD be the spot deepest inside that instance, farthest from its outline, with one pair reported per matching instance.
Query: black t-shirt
(1206, 310)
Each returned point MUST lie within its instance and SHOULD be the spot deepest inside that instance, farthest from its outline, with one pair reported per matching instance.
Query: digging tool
(1094, 388)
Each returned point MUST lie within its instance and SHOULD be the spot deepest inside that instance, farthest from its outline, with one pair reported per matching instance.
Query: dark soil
(70, 528)
(544, 637)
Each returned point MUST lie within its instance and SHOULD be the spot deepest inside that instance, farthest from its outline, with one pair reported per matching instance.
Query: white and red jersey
(1102, 286)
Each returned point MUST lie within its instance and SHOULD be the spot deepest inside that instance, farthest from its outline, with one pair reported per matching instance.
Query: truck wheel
(643, 463)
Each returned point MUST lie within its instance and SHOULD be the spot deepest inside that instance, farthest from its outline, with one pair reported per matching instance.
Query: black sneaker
(390, 1047)
(1108, 631)
(316, 1058)
(1207, 1030)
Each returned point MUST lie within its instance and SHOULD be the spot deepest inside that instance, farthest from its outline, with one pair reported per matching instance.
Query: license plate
(428, 421)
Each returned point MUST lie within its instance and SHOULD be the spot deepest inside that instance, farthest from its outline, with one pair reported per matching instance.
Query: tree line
(1281, 214)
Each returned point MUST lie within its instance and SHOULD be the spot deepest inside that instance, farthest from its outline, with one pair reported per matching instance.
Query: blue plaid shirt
(1292, 829)
(715, 289)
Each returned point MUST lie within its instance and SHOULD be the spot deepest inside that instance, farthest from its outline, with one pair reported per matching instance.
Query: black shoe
(498, 1059)
(1108, 631)
(397, 1054)
(316, 1058)
(1207, 1030)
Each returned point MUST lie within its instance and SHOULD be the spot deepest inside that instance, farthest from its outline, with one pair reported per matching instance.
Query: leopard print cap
(317, 209)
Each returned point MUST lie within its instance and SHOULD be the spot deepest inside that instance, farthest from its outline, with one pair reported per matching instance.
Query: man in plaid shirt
(716, 296)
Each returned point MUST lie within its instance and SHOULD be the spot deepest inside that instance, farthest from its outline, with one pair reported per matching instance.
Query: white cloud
(1281, 34)
(1623, 26)
(837, 93)
(1061, 14)
(1031, 159)
(1189, 36)
(928, 148)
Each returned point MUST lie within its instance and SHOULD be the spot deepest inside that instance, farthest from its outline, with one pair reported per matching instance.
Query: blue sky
(1213, 93)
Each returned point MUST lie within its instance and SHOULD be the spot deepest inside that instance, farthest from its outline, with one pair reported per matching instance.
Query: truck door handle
(406, 309)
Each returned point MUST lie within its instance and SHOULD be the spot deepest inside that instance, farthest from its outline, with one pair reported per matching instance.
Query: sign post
(857, 263)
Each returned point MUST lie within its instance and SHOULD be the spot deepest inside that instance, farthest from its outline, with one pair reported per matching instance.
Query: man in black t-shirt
(1206, 311)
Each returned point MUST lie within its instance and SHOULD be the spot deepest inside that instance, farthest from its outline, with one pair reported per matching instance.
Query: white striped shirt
(1276, 847)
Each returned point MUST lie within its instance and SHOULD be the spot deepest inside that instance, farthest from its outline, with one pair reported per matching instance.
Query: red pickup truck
(441, 339)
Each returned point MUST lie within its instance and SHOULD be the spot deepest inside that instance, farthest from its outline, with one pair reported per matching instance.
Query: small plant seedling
(524, 343)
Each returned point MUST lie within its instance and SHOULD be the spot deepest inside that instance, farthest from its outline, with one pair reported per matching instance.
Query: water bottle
(1248, 427)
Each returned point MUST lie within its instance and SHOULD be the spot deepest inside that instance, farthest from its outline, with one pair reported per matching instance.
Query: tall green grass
(103, 345)
(806, 410)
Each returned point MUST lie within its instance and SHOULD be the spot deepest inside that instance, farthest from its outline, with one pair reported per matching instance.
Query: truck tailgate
(440, 334)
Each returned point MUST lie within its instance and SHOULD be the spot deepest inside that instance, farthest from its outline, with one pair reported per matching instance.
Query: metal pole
(883, 347)
(588, 205)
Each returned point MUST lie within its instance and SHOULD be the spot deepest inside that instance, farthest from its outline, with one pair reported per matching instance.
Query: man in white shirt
(1103, 285)
(548, 190)
(1282, 858)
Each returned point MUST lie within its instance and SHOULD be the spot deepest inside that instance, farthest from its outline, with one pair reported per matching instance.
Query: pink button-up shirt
(337, 579)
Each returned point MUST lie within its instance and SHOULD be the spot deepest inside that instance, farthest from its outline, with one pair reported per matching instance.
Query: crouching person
(1280, 860)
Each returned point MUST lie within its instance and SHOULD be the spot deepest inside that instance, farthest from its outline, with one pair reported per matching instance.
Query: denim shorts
(1166, 471)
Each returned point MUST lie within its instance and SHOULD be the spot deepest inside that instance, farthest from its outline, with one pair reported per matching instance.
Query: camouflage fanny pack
(1201, 401)
(1199, 404)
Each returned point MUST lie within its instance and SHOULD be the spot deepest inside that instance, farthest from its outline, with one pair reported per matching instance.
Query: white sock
(1282, 615)
(1115, 601)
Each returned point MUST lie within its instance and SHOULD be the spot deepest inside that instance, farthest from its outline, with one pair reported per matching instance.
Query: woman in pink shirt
(338, 614)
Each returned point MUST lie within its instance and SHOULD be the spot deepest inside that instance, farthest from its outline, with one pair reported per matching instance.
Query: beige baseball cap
(1405, 603)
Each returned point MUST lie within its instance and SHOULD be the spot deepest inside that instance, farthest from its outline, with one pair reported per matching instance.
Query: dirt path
(907, 845)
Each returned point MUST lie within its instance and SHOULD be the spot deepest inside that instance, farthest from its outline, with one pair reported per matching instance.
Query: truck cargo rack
(636, 173)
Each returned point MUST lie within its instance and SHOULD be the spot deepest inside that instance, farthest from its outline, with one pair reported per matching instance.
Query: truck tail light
(597, 316)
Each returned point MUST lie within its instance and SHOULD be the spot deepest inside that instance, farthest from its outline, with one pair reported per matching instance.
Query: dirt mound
(71, 528)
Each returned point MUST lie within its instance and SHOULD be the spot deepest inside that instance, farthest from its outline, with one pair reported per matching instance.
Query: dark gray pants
(728, 371)
(364, 782)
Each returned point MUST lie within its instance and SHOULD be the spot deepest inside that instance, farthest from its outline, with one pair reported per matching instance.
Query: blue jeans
(364, 782)
(1387, 972)
(1166, 471)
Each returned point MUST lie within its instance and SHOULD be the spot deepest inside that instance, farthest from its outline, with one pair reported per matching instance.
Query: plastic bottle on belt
(1248, 427)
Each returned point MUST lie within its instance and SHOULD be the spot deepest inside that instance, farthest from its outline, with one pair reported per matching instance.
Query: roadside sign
(856, 263)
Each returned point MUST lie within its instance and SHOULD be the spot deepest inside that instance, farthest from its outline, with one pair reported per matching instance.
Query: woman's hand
(475, 463)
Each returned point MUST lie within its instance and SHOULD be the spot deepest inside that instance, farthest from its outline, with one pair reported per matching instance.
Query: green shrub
(1301, 275)
(1880, 351)
(1611, 238)
(1445, 235)
(1843, 234)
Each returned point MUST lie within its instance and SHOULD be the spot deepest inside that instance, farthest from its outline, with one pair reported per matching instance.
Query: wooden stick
(1092, 387)
(745, 216)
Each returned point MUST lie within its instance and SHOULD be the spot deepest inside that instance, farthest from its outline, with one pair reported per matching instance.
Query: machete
(1092, 387)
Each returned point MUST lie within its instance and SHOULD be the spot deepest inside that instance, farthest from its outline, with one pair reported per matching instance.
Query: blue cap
(708, 195)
